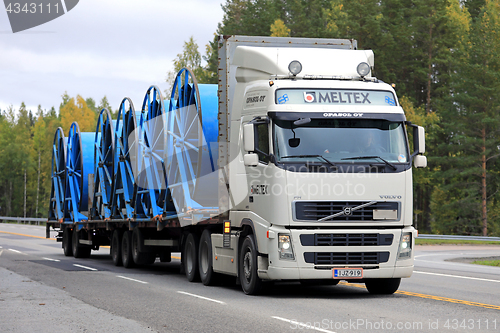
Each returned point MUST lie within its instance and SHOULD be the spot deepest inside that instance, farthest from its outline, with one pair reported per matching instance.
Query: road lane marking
(16, 251)
(85, 267)
(436, 298)
(201, 297)
(50, 259)
(15, 233)
(302, 325)
(1, 251)
(127, 278)
(458, 276)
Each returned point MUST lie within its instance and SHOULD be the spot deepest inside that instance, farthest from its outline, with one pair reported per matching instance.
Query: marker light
(295, 67)
(363, 69)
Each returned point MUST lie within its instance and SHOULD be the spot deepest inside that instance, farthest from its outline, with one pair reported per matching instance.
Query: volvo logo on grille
(347, 211)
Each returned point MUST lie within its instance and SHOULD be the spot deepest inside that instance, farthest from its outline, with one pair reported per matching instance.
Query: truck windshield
(340, 141)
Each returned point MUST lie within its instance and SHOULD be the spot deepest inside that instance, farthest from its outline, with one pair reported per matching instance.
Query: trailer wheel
(382, 286)
(205, 260)
(116, 248)
(67, 242)
(191, 253)
(79, 250)
(141, 257)
(250, 281)
(127, 260)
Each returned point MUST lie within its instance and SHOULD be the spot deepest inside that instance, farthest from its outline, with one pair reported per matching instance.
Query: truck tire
(140, 257)
(127, 260)
(116, 248)
(191, 254)
(382, 286)
(79, 250)
(67, 242)
(249, 280)
(205, 260)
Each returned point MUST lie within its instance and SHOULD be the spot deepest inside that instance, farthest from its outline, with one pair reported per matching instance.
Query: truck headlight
(285, 247)
(405, 246)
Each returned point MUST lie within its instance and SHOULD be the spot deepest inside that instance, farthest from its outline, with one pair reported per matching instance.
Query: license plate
(348, 273)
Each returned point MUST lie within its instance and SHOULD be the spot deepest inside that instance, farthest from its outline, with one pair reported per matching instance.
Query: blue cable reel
(58, 176)
(192, 147)
(151, 181)
(79, 164)
(126, 151)
(104, 166)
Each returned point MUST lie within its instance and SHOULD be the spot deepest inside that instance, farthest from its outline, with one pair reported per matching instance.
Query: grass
(487, 262)
(419, 241)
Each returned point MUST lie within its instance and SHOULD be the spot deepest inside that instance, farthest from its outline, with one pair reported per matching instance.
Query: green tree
(104, 104)
(190, 58)
(470, 170)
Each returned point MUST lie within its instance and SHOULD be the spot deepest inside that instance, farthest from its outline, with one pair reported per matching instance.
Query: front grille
(315, 210)
(346, 239)
(346, 258)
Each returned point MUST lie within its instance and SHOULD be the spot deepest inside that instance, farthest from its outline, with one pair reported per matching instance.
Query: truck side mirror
(251, 159)
(249, 137)
(420, 161)
(419, 139)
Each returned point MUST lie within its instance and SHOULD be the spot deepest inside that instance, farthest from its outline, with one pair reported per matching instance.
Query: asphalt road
(41, 290)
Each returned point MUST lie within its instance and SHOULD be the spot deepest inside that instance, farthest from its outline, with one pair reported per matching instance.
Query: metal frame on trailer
(188, 148)
(104, 167)
(150, 182)
(126, 144)
(79, 164)
(58, 176)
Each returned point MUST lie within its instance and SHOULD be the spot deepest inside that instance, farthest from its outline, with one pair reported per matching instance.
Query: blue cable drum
(79, 164)
(126, 151)
(150, 178)
(192, 144)
(58, 176)
(104, 166)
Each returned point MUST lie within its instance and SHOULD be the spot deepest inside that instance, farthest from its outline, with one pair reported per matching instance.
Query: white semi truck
(302, 171)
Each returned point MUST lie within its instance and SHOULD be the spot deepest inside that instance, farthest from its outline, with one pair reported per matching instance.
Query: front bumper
(303, 267)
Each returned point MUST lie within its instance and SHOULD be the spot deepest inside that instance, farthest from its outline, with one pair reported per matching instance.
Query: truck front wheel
(250, 281)
(382, 286)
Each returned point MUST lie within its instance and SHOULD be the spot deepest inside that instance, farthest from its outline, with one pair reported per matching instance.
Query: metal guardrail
(23, 220)
(457, 237)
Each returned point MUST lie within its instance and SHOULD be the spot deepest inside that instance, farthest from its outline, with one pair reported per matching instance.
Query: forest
(442, 56)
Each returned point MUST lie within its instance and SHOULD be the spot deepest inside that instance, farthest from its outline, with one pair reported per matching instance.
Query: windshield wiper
(309, 156)
(368, 157)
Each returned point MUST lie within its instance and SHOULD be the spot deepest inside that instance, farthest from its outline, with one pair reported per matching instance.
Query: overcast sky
(101, 47)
